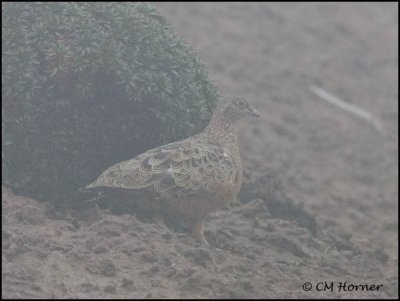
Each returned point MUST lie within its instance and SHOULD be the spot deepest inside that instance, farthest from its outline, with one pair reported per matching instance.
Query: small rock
(110, 289)
(148, 257)
(126, 283)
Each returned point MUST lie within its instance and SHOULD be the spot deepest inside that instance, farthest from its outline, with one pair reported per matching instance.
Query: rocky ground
(319, 200)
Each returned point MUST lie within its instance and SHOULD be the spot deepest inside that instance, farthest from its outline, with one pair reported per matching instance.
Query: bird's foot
(197, 233)
(158, 219)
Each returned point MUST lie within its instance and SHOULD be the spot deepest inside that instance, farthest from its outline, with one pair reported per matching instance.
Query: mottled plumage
(190, 178)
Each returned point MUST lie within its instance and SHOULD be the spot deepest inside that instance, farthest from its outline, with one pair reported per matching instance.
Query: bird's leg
(197, 232)
(159, 220)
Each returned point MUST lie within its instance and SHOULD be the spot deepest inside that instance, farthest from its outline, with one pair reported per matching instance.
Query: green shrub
(87, 85)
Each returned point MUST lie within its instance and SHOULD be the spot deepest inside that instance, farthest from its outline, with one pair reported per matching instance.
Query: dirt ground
(319, 202)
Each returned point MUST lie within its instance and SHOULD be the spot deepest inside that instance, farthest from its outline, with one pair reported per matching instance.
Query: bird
(190, 178)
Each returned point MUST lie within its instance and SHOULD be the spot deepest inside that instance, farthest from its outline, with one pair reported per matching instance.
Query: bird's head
(238, 107)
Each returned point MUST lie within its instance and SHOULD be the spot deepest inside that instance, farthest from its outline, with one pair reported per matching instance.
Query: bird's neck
(221, 126)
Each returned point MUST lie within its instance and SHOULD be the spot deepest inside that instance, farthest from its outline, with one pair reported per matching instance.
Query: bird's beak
(253, 112)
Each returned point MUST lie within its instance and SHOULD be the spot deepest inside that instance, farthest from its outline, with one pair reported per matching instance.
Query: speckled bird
(190, 178)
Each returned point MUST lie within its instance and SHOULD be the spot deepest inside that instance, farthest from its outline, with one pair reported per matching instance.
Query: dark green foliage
(87, 85)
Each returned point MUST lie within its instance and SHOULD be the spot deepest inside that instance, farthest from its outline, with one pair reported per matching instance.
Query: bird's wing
(176, 169)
